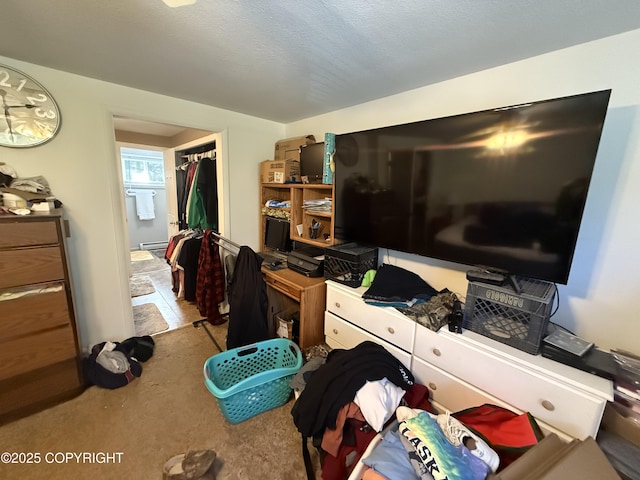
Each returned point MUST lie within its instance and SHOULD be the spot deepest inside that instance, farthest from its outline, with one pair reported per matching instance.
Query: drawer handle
(337, 304)
(433, 386)
(335, 331)
(548, 405)
(436, 352)
(391, 330)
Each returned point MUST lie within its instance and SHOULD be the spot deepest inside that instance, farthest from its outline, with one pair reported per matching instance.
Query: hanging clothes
(247, 301)
(208, 188)
(202, 207)
(186, 172)
(188, 263)
(210, 281)
(195, 210)
(182, 262)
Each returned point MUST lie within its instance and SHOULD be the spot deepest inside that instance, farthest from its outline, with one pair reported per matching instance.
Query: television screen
(277, 235)
(312, 162)
(502, 188)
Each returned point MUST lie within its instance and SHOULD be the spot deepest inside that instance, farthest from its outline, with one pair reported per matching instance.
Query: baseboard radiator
(153, 245)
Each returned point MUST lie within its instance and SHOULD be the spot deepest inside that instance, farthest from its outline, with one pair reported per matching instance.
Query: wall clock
(29, 115)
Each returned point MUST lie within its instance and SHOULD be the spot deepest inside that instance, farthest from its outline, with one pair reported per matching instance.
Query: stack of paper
(320, 205)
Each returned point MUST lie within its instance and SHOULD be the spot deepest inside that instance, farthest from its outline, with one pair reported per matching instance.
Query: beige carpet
(166, 411)
(141, 285)
(148, 320)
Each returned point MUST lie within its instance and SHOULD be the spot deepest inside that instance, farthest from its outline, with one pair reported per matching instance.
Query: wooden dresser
(39, 351)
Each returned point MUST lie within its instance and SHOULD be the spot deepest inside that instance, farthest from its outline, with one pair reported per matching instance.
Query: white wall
(81, 168)
(602, 297)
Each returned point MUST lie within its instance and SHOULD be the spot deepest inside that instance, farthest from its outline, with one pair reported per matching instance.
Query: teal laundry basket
(252, 379)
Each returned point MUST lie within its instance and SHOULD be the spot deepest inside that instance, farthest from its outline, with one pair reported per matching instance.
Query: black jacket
(247, 302)
(336, 383)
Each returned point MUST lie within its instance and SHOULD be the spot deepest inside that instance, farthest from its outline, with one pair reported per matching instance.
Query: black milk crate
(348, 262)
(517, 319)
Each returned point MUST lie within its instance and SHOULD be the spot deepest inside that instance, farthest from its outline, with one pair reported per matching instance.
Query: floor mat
(148, 320)
(152, 265)
(141, 285)
(137, 255)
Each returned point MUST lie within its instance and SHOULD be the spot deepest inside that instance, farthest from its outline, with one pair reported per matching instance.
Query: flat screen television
(503, 188)
(312, 162)
(277, 236)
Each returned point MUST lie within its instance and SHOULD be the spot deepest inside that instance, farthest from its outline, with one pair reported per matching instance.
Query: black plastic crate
(348, 262)
(517, 319)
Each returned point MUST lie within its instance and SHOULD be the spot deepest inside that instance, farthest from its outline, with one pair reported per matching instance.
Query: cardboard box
(280, 171)
(552, 459)
(615, 422)
(289, 148)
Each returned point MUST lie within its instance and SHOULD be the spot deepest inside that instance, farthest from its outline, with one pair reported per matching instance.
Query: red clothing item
(508, 433)
(210, 281)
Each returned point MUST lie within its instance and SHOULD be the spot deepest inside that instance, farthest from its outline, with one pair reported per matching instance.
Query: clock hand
(27, 105)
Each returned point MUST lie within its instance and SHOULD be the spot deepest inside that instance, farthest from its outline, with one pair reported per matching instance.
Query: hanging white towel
(144, 204)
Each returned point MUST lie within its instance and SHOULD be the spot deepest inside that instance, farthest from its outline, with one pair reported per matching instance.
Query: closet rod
(224, 239)
(225, 246)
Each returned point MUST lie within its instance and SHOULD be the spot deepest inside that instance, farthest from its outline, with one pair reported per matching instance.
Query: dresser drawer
(448, 392)
(338, 331)
(384, 322)
(42, 387)
(25, 354)
(568, 409)
(26, 233)
(26, 266)
(32, 313)
(288, 289)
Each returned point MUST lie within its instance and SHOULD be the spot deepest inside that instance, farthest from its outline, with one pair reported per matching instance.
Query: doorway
(146, 157)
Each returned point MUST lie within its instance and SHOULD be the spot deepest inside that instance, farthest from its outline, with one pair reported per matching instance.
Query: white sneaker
(458, 434)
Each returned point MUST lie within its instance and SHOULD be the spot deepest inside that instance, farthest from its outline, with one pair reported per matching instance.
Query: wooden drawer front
(39, 387)
(570, 410)
(343, 333)
(27, 266)
(26, 233)
(29, 353)
(290, 290)
(449, 392)
(384, 322)
(33, 313)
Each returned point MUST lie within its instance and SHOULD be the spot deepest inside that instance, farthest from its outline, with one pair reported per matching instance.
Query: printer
(308, 261)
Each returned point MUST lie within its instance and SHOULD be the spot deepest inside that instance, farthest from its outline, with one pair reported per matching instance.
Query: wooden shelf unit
(297, 194)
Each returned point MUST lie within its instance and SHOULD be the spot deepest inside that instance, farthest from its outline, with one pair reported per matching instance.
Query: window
(142, 167)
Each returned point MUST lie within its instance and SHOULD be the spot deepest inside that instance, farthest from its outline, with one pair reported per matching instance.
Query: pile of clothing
(347, 400)
(116, 364)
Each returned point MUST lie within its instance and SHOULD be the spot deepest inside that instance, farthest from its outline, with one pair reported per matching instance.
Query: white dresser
(467, 370)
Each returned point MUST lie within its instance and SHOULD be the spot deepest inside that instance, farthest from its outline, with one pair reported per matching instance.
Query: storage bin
(348, 262)
(517, 319)
(252, 379)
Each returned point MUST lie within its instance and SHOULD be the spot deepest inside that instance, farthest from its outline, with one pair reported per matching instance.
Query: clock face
(29, 115)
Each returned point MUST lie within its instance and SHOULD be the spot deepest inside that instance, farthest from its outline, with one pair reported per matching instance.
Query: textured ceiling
(285, 60)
